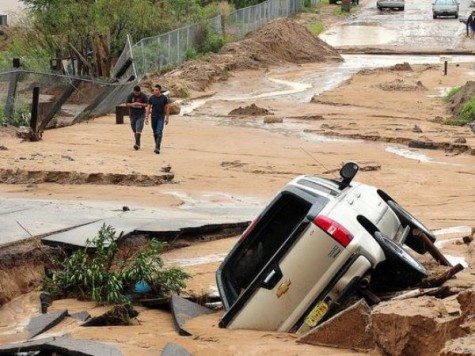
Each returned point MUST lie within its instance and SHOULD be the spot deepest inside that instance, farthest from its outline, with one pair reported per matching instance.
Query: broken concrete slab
(419, 326)
(172, 349)
(335, 331)
(44, 322)
(64, 345)
(81, 316)
(184, 310)
(21, 219)
(80, 235)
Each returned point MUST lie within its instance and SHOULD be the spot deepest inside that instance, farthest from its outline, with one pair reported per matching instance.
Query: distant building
(3, 20)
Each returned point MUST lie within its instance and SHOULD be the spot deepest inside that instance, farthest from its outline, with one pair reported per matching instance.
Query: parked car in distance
(445, 8)
(320, 245)
(390, 4)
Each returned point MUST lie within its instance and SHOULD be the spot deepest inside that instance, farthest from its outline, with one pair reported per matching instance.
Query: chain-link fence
(67, 99)
(173, 48)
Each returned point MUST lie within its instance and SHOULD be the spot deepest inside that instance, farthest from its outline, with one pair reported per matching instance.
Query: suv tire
(406, 269)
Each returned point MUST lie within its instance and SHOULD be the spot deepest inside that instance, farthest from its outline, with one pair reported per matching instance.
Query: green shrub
(211, 40)
(190, 53)
(107, 275)
(452, 92)
(20, 117)
(466, 114)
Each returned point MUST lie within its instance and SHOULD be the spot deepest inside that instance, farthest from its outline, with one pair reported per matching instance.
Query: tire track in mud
(21, 176)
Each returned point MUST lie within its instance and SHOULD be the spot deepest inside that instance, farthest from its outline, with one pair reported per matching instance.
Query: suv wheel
(402, 268)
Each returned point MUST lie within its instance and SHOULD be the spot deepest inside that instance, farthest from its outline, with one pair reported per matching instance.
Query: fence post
(10, 103)
(34, 113)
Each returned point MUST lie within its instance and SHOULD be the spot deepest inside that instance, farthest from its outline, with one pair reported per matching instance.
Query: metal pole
(34, 111)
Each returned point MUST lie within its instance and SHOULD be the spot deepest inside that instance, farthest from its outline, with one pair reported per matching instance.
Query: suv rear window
(276, 224)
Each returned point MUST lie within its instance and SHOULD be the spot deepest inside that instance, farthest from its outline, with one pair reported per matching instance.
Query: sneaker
(136, 147)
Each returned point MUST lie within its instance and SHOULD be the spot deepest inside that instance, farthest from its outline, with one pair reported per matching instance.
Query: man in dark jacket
(159, 109)
(137, 102)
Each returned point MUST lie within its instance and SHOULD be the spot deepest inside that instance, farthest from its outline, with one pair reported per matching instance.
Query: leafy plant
(211, 40)
(104, 273)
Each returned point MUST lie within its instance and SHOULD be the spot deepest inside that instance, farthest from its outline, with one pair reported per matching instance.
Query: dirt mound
(399, 67)
(400, 84)
(292, 42)
(281, 40)
(459, 99)
(251, 110)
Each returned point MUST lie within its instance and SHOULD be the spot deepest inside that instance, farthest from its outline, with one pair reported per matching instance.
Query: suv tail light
(249, 228)
(335, 230)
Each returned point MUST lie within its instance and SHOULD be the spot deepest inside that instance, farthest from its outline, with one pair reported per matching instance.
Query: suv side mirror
(347, 173)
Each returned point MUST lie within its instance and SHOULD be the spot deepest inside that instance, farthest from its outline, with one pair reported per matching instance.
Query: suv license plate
(316, 314)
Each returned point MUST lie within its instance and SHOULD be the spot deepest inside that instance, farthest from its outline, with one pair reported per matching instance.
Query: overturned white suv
(318, 245)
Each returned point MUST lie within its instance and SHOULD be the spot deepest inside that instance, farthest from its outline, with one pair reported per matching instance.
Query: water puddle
(324, 79)
(454, 230)
(357, 35)
(410, 154)
(195, 261)
(454, 260)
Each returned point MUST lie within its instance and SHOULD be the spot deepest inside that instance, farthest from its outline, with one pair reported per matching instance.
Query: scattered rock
(24, 132)
(175, 108)
(460, 140)
(417, 129)
(3, 148)
(166, 169)
(472, 126)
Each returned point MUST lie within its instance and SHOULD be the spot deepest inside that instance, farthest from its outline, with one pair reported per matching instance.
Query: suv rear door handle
(274, 276)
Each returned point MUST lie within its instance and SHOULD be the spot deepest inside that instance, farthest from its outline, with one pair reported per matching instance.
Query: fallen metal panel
(184, 310)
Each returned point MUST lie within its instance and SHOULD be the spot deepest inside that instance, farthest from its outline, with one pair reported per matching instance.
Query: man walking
(137, 102)
(159, 109)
